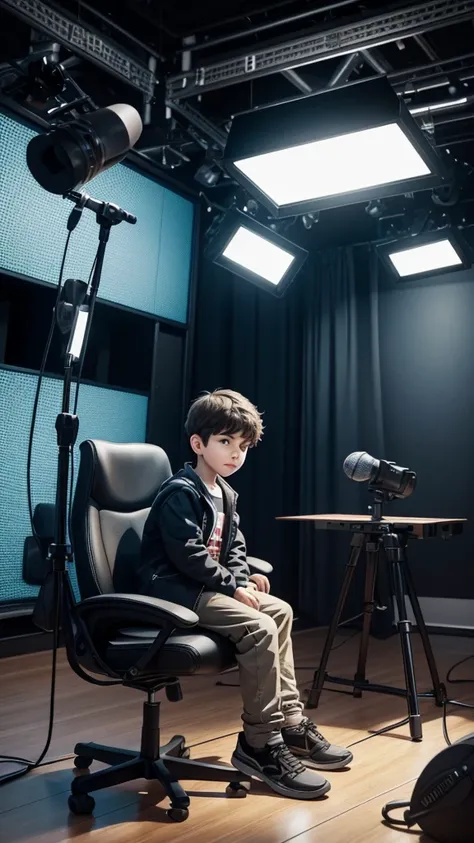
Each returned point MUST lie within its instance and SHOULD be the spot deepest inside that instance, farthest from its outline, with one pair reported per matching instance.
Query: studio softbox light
(254, 252)
(337, 148)
(435, 253)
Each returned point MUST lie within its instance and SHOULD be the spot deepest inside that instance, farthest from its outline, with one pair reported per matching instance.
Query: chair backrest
(116, 485)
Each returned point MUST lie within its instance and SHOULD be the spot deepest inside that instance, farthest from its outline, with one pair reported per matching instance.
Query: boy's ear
(196, 443)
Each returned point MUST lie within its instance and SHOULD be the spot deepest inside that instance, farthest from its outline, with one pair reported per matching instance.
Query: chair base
(171, 765)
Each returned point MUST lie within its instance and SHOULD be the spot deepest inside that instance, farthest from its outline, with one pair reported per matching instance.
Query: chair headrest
(123, 477)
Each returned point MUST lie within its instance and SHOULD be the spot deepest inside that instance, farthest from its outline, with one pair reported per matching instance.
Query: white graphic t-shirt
(214, 544)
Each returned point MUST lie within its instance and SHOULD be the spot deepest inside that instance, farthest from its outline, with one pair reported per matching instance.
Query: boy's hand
(247, 596)
(262, 582)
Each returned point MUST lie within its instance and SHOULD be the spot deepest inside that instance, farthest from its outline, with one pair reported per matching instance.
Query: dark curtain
(341, 413)
(310, 362)
(248, 340)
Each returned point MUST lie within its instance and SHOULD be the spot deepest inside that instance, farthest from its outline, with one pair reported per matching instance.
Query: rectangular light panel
(427, 258)
(258, 255)
(338, 165)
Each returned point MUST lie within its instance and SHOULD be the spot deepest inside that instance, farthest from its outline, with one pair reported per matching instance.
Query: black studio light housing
(254, 252)
(425, 255)
(75, 152)
(340, 147)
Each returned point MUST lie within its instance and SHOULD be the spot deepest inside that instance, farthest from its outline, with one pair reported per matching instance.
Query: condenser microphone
(360, 466)
(381, 474)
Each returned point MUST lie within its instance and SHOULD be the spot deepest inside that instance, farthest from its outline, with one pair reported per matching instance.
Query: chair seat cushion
(184, 654)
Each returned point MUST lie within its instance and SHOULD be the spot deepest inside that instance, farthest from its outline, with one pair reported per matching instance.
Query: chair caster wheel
(185, 753)
(82, 762)
(236, 790)
(178, 815)
(81, 803)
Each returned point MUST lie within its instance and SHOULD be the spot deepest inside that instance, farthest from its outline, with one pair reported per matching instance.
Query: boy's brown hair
(224, 411)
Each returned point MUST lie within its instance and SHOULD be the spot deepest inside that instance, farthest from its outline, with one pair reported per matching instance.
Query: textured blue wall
(103, 414)
(147, 265)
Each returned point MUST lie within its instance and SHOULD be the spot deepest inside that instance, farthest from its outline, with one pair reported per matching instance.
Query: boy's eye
(225, 441)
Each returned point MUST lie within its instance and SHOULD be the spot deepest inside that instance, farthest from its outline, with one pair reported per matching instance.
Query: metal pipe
(439, 62)
(258, 60)
(297, 81)
(186, 54)
(469, 139)
(426, 47)
(426, 83)
(148, 98)
(454, 118)
(118, 28)
(380, 64)
(400, 88)
(225, 21)
(200, 122)
(265, 26)
(343, 72)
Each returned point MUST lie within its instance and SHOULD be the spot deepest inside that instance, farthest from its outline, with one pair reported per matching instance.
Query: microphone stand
(47, 612)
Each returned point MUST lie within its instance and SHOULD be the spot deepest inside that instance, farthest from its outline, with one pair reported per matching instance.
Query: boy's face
(224, 453)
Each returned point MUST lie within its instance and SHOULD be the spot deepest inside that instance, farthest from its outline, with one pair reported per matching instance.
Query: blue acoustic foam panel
(103, 414)
(147, 266)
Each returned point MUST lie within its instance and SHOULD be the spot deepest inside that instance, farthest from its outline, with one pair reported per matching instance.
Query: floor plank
(34, 809)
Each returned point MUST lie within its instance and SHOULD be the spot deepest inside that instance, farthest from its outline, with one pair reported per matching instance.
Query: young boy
(194, 554)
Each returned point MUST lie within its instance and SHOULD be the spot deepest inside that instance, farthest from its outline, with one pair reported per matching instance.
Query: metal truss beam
(200, 122)
(317, 46)
(83, 41)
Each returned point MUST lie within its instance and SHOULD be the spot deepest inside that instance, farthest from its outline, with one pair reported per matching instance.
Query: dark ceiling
(214, 59)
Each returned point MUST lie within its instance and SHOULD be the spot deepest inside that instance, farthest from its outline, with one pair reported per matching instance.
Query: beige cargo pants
(264, 653)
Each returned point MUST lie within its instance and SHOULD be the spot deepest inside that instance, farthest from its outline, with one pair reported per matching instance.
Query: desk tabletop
(394, 519)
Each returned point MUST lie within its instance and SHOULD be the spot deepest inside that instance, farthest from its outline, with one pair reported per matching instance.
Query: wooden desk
(390, 534)
(417, 528)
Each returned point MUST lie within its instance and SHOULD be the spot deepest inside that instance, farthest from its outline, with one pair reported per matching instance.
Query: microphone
(381, 474)
(359, 466)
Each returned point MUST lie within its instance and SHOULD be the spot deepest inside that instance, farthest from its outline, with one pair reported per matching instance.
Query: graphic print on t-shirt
(215, 539)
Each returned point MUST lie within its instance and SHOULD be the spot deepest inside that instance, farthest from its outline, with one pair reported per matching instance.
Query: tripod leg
(320, 674)
(371, 548)
(396, 556)
(438, 688)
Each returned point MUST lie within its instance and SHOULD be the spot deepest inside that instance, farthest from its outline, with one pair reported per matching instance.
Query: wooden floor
(385, 767)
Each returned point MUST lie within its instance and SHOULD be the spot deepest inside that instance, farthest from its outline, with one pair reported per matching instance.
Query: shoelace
(308, 727)
(284, 756)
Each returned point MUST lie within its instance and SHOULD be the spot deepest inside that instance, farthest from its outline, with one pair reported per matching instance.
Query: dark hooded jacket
(175, 564)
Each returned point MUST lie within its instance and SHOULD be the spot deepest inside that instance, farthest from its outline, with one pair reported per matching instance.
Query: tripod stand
(374, 533)
(393, 543)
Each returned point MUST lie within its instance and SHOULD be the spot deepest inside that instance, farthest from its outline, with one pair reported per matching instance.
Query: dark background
(348, 360)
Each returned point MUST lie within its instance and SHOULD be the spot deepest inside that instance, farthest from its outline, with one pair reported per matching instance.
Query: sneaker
(307, 742)
(279, 769)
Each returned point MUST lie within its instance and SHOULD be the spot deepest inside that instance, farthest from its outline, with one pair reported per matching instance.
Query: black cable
(445, 716)
(345, 640)
(455, 702)
(382, 731)
(341, 643)
(459, 681)
(73, 219)
(38, 386)
(31, 765)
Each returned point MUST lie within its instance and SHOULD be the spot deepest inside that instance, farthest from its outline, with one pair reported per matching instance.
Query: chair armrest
(137, 608)
(259, 565)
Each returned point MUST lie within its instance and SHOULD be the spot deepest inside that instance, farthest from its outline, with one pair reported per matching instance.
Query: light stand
(47, 610)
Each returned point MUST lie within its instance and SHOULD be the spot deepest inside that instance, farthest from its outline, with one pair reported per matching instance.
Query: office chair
(141, 642)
